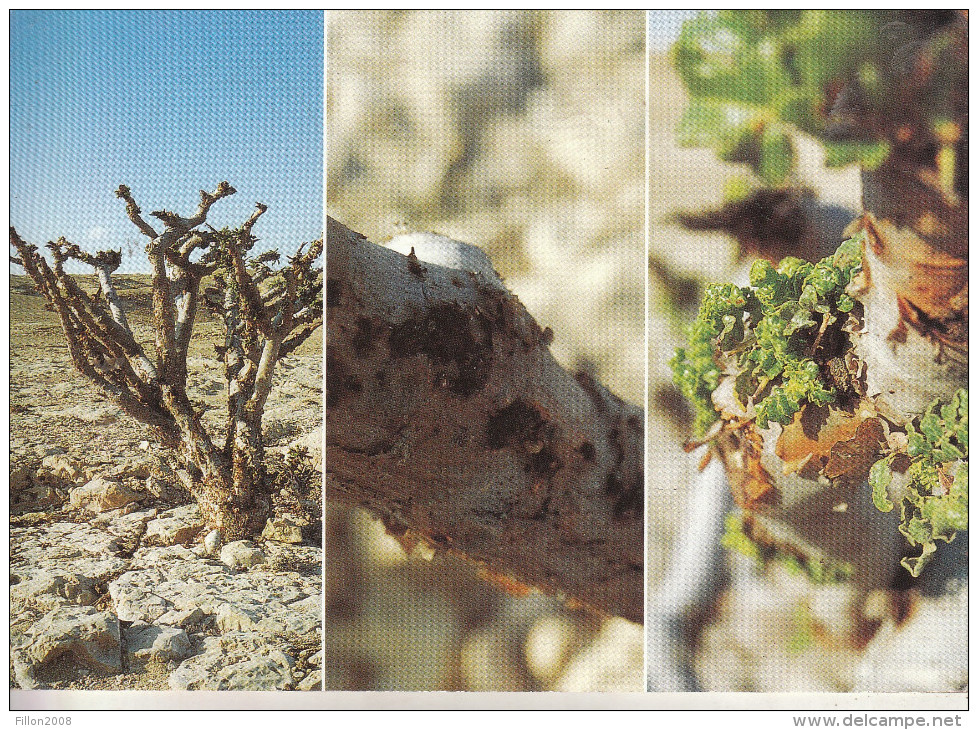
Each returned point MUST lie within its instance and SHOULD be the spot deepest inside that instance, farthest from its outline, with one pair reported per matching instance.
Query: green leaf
(868, 154)
(880, 477)
(777, 155)
(708, 122)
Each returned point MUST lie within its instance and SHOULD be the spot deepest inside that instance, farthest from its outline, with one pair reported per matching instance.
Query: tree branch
(448, 416)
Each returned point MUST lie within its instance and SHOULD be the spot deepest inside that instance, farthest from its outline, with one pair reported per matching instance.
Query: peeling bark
(447, 415)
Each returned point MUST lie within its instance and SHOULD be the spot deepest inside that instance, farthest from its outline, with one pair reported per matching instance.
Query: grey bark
(447, 416)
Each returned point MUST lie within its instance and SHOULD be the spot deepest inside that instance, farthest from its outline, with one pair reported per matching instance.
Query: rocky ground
(112, 586)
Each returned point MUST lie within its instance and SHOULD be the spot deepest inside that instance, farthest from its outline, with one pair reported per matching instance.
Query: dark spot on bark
(614, 437)
(628, 496)
(456, 282)
(545, 462)
(381, 377)
(365, 336)
(590, 386)
(588, 451)
(339, 381)
(334, 292)
(414, 265)
(635, 423)
(334, 381)
(632, 499)
(458, 341)
(439, 539)
(518, 423)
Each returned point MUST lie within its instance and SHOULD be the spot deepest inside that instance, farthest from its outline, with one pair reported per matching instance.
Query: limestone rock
(313, 682)
(178, 525)
(275, 604)
(90, 636)
(283, 528)
(241, 554)
(181, 618)
(212, 542)
(155, 556)
(73, 587)
(236, 661)
(147, 642)
(63, 561)
(101, 494)
(60, 468)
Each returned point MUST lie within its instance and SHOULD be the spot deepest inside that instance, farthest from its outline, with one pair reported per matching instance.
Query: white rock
(148, 642)
(212, 542)
(313, 682)
(178, 525)
(612, 663)
(75, 588)
(134, 603)
(100, 494)
(241, 554)
(182, 618)
(154, 556)
(60, 467)
(236, 661)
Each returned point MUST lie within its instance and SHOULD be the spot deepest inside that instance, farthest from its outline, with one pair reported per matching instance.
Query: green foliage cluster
(932, 509)
(754, 76)
(820, 572)
(767, 332)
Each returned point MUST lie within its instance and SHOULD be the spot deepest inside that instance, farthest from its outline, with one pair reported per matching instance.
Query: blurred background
(521, 132)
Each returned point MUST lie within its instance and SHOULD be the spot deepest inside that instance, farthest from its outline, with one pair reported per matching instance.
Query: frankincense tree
(266, 311)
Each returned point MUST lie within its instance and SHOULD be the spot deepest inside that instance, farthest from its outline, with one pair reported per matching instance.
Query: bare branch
(176, 224)
(447, 415)
(134, 213)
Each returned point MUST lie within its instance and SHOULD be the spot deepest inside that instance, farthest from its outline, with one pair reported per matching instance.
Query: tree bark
(447, 416)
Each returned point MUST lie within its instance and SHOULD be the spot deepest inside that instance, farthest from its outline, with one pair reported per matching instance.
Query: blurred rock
(613, 662)
(552, 640)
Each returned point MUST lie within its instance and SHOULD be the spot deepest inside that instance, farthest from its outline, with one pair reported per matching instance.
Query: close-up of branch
(448, 417)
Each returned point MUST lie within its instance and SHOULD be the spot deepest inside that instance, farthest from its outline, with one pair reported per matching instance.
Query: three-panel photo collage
(488, 358)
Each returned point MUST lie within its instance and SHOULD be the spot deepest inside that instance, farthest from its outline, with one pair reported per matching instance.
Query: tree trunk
(447, 416)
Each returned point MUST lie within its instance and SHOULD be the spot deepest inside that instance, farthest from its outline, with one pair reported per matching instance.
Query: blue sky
(166, 102)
